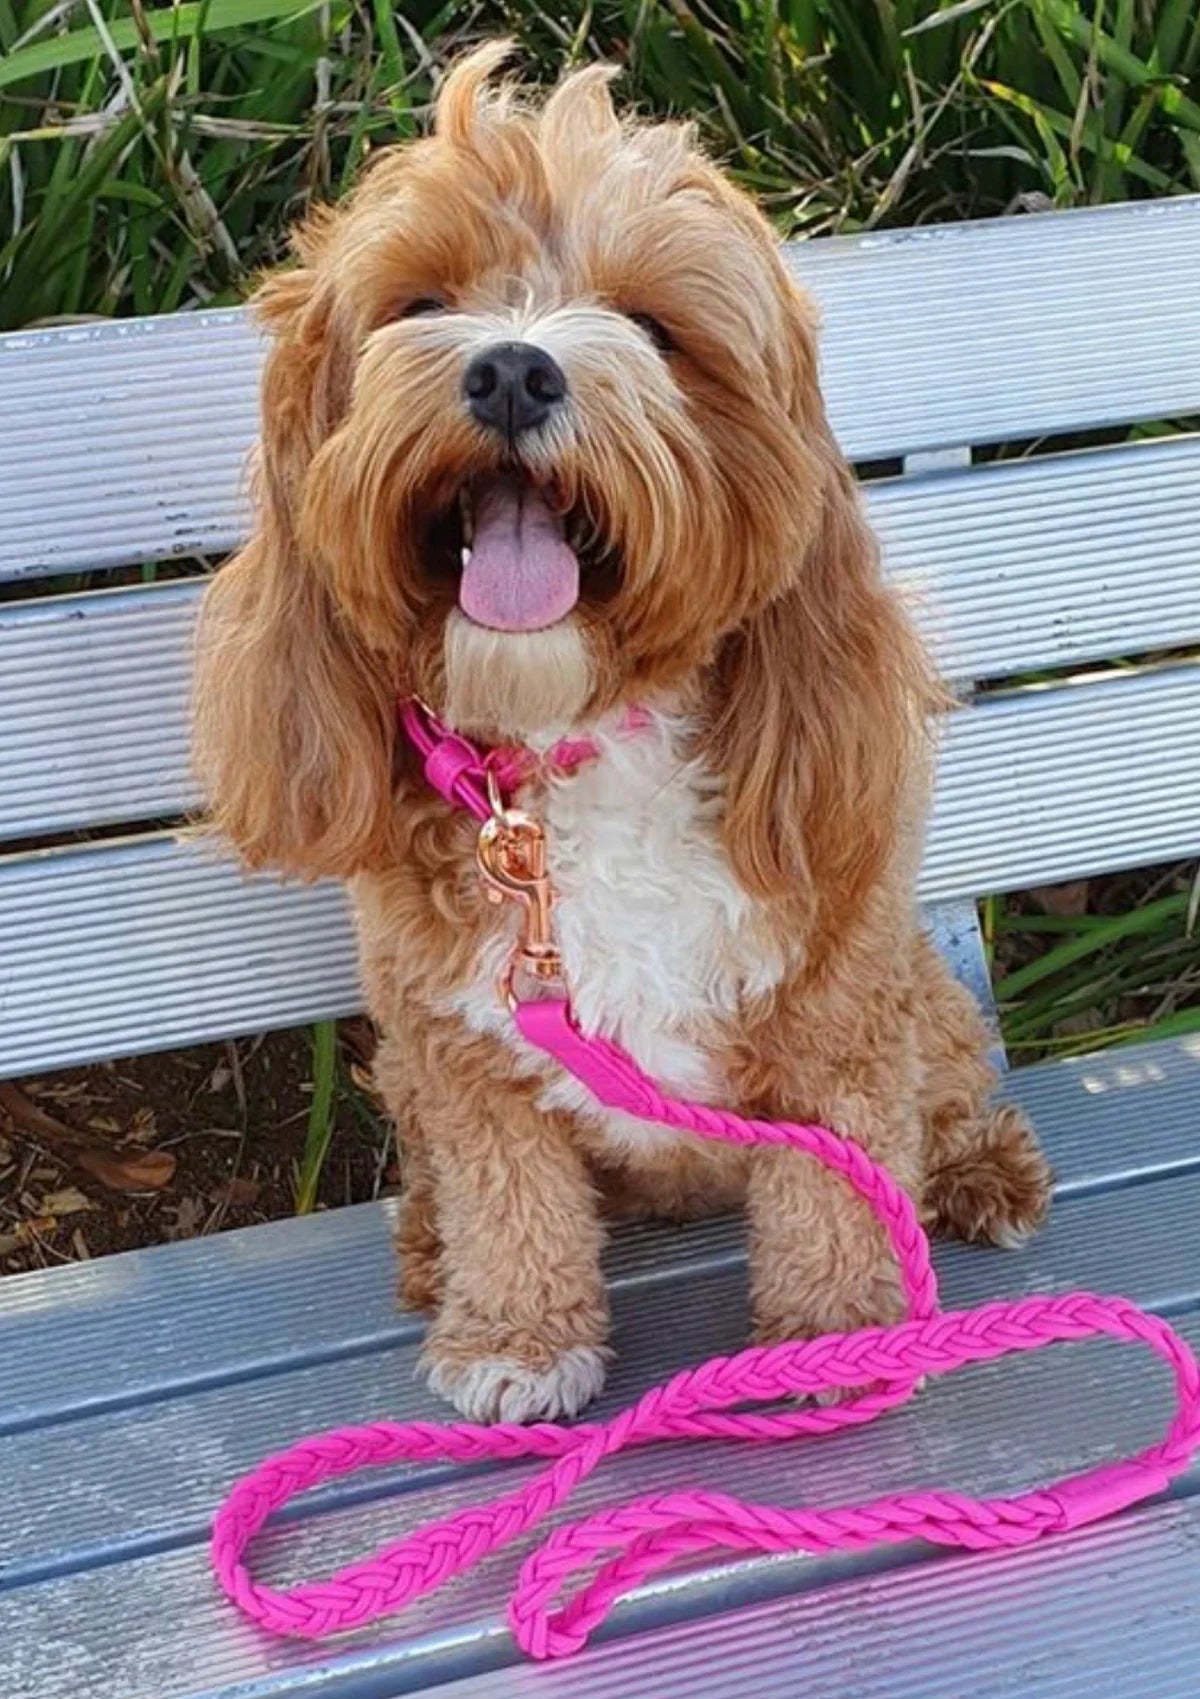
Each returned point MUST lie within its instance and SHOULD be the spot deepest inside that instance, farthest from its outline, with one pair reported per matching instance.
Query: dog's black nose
(513, 386)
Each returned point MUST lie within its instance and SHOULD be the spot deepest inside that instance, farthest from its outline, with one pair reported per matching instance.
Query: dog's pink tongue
(521, 573)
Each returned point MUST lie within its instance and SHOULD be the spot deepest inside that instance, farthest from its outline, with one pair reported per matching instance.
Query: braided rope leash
(624, 1545)
(632, 1541)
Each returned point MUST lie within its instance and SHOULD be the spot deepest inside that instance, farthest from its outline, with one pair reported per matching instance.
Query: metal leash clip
(511, 856)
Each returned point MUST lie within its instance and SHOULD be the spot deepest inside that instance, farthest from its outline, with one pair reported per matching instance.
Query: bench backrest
(123, 443)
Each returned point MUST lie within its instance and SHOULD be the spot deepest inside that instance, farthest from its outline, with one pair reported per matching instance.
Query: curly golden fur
(738, 904)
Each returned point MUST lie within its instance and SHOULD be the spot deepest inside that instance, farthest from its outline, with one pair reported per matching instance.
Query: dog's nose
(513, 386)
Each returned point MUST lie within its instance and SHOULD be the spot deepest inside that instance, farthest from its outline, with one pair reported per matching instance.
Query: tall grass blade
(1099, 937)
(320, 1115)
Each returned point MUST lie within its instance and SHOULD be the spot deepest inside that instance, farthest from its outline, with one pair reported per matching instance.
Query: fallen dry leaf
(69, 1200)
(26, 1117)
(1070, 898)
(360, 1039)
(80, 1246)
(6, 1153)
(137, 1171)
(35, 1227)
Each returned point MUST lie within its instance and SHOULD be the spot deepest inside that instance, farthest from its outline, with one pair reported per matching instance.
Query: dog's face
(541, 435)
(556, 392)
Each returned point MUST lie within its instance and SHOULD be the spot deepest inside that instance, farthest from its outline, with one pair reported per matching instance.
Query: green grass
(319, 1134)
(1070, 983)
(151, 156)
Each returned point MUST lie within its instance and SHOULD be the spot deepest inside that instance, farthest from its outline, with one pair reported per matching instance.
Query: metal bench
(134, 1390)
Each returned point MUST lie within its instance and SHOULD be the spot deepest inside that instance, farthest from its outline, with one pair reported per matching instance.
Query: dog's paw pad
(500, 1389)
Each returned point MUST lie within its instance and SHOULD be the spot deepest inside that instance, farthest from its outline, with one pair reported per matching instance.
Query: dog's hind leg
(418, 1241)
(986, 1179)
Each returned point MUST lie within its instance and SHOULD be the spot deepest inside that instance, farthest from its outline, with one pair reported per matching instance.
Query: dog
(543, 445)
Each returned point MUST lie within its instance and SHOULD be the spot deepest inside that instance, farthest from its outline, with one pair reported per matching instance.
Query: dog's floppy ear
(820, 702)
(294, 720)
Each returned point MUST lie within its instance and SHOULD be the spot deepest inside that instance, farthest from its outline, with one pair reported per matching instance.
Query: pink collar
(461, 772)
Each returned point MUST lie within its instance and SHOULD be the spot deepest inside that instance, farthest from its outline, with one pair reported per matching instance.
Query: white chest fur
(658, 939)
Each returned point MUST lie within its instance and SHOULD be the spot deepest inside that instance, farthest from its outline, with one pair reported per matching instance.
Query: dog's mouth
(520, 560)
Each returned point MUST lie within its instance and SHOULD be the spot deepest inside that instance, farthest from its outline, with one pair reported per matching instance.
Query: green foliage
(1077, 982)
(151, 156)
(321, 1114)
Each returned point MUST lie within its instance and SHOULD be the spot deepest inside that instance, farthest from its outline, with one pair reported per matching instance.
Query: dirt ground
(124, 1154)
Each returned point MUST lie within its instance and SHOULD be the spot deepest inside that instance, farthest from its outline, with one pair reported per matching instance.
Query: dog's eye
(422, 305)
(658, 333)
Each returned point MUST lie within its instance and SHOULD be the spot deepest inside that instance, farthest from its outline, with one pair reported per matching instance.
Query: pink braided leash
(622, 1546)
(634, 1540)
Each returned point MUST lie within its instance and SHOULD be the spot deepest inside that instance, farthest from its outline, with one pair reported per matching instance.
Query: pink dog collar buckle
(452, 765)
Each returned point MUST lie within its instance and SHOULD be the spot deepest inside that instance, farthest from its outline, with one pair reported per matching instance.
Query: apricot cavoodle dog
(543, 442)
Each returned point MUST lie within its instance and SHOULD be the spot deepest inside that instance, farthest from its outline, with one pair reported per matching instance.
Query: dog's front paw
(874, 1299)
(808, 1307)
(505, 1389)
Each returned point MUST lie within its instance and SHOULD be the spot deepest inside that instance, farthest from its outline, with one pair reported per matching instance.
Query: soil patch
(183, 1143)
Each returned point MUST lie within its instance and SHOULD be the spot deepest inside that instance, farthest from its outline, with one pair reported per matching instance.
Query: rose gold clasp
(511, 854)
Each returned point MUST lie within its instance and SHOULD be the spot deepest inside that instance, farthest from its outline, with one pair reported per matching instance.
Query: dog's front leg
(820, 1262)
(522, 1327)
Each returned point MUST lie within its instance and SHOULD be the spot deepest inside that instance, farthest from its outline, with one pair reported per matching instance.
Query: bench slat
(1001, 329)
(126, 440)
(1084, 778)
(1047, 563)
(985, 1431)
(121, 947)
(1112, 1613)
(159, 942)
(94, 706)
(111, 1336)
